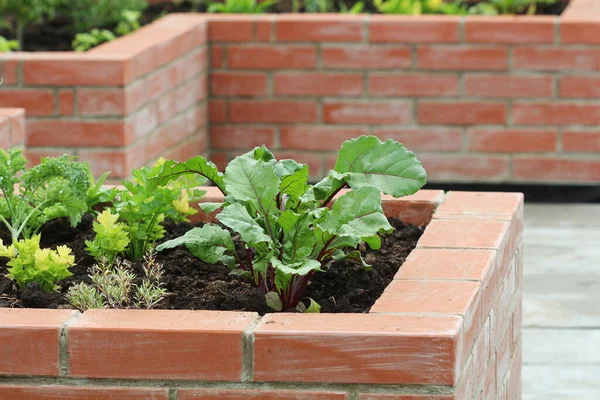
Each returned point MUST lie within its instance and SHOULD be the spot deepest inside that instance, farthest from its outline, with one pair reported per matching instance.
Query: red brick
(466, 234)
(318, 28)
(369, 396)
(581, 141)
(10, 71)
(503, 140)
(276, 111)
(143, 122)
(407, 29)
(480, 204)
(238, 84)
(66, 102)
(507, 29)
(36, 102)
(220, 159)
(556, 169)
(115, 161)
(317, 84)
(555, 59)
(424, 139)
(70, 69)
(136, 95)
(5, 138)
(503, 356)
(555, 114)
(62, 392)
(163, 80)
(357, 348)
(226, 28)
(271, 57)
(65, 133)
(101, 102)
(158, 344)
(241, 137)
(216, 56)
(448, 167)
(15, 126)
(240, 394)
(462, 59)
(514, 390)
(583, 87)
(448, 264)
(317, 137)
(580, 32)
(510, 86)
(217, 110)
(481, 358)
(461, 113)
(366, 57)
(263, 28)
(413, 85)
(372, 112)
(488, 388)
(29, 340)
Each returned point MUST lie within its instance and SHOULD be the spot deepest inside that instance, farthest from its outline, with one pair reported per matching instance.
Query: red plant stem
(327, 200)
(324, 249)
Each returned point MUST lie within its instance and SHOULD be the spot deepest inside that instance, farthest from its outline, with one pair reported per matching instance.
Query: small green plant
(318, 6)
(130, 22)
(97, 194)
(86, 15)
(240, 6)
(8, 45)
(142, 209)
(111, 237)
(418, 7)
(113, 286)
(55, 188)
(496, 7)
(21, 13)
(86, 41)
(29, 263)
(357, 8)
(287, 228)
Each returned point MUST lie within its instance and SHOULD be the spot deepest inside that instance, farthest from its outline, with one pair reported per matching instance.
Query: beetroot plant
(290, 230)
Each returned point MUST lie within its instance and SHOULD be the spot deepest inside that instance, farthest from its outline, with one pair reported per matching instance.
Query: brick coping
(425, 329)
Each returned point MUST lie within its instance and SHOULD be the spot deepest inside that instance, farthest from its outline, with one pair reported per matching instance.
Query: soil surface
(55, 35)
(193, 285)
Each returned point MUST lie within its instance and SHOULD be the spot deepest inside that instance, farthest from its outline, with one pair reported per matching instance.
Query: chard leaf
(374, 242)
(209, 207)
(354, 255)
(285, 272)
(254, 181)
(354, 216)
(172, 170)
(274, 301)
(326, 187)
(294, 177)
(299, 238)
(262, 154)
(388, 166)
(208, 243)
(313, 307)
(236, 217)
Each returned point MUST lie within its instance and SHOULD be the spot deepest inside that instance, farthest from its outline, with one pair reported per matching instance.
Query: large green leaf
(325, 188)
(354, 216)
(285, 272)
(236, 217)
(294, 177)
(299, 238)
(251, 180)
(388, 165)
(208, 243)
(172, 170)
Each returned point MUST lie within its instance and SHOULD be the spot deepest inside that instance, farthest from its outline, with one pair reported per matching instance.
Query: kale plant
(55, 188)
(287, 228)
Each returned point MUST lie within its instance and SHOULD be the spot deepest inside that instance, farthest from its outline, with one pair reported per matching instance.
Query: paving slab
(561, 347)
(561, 382)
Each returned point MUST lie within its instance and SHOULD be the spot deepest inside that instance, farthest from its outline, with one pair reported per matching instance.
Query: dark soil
(55, 35)
(194, 285)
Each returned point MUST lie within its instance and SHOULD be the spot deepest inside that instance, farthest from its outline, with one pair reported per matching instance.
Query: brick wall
(502, 99)
(120, 105)
(447, 328)
(478, 99)
(12, 128)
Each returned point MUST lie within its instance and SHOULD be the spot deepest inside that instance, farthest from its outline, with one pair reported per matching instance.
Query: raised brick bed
(502, 99)
(447, 327)
(12, 128)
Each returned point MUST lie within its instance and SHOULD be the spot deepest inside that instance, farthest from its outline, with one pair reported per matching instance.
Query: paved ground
(561, 332)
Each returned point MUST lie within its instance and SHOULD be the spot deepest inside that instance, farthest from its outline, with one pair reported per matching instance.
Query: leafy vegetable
(8, 45)
(55, 188)
(86, 41)
(417, 7)
(111, 237)
(21, 13)
(143, 205)
(29, 263)
(240, 6)
(495, 7)
(97, 194)
(286, 227)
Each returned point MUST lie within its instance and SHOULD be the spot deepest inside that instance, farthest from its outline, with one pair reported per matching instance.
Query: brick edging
(457, 295)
